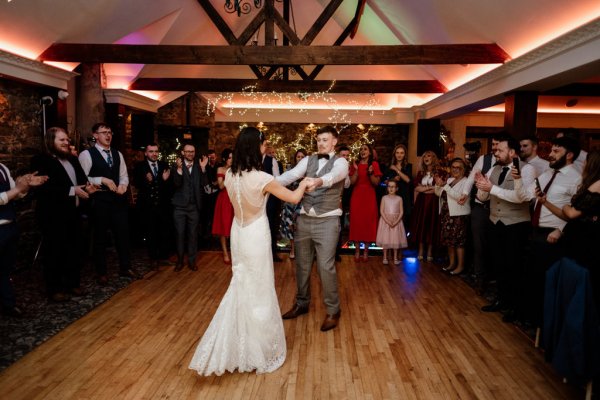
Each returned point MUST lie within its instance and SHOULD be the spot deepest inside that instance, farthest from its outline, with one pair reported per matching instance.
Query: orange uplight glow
(15, 49)
(148, 94)
(548, 110)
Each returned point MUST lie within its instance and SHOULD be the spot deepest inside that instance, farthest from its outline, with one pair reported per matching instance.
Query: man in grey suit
(189, 178)
(318, 224)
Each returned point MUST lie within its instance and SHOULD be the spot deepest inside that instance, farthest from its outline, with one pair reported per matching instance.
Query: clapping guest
(151, 178)
(425, 219)
(290, 211)
(10, 190)
(400, 171)
(364, 176)
(454, 217)
(223, 215)
(58, 211)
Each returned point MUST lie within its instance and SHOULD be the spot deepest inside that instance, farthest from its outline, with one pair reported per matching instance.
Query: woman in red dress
(363, 204)
(223, 209)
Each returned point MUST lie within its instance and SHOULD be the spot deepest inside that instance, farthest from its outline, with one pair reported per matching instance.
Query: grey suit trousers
(317, 235)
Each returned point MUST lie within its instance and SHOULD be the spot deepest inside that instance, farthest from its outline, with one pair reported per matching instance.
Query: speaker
(428, 136)
(142, 130)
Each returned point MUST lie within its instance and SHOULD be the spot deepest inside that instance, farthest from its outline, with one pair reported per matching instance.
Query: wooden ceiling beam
(277, 55)
(320, 22)
(236, 85)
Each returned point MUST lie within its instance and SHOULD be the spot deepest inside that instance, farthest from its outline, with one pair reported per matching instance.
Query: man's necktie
(503, 175)
(109, 159)
(154, 170)
(537, 211)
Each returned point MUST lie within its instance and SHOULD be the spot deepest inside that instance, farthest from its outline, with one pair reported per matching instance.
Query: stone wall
(20, 139)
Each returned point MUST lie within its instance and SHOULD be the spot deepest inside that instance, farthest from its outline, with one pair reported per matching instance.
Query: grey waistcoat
(323, 199)
(505, 211)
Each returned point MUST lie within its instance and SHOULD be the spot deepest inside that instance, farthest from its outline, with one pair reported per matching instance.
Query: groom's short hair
(328, 129)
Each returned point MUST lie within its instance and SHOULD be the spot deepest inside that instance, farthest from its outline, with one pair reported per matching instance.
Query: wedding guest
(390, 232)
(454, 217)
(59, 205)
(223, 215)
(189, 179)
(425, 218)
(290, 211)
(11, 190)
(365, 176)
(105, 167)
(151, 178)
(400, 171)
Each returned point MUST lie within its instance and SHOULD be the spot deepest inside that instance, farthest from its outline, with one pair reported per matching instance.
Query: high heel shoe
(449, 268)
(455, 272)
(397, 261)
(429, 258)
(385, 261)
(420, 258)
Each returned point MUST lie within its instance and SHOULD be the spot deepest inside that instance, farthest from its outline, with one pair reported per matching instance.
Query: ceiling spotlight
(63, 94)
(571, 102)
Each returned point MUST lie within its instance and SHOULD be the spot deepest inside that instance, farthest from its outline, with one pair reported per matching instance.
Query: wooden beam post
(520, 114)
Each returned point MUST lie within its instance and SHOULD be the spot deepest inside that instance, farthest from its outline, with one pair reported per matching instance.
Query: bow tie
(325, 156)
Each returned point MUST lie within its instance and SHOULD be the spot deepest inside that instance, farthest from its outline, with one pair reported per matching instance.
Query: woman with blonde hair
(425, 219)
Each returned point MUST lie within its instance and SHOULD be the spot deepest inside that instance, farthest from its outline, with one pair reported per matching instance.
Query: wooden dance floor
(408, 332)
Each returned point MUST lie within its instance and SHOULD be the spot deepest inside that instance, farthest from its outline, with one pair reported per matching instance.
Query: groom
(318, 224)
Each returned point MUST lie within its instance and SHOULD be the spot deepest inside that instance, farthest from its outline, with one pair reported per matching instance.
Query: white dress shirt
(85, 159)
(561, 191)
(339, 172)
(539, 164)
(579, 162)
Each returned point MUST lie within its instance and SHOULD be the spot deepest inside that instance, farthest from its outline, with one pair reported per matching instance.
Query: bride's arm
(277, 190)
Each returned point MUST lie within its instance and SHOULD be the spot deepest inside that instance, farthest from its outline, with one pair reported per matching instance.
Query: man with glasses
(189, 179)
(105, 168)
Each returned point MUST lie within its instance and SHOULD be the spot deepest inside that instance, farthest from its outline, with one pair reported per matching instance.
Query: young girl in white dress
(246, 332)
(390, 232)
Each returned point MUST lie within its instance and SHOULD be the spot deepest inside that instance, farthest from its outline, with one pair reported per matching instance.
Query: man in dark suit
(271, 167)
(58, 211)
(151, 178)
(189, 178)
(105, 167)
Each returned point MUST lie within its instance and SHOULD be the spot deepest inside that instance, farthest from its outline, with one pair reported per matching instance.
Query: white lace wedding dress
(246, 333)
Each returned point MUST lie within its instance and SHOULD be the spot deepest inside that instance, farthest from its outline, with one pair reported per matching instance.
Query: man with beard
(510, 221)
(58, 211)
(189, 179)
(557, 186)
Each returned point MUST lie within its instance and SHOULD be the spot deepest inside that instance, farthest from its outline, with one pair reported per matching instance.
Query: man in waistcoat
(151, 178)
(189, 179)
(105, 167)
(59, 208)
(318, 224)
(509, 214)
(11, 190)
(480, 219)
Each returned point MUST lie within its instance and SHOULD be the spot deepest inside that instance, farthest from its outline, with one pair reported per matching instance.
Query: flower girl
(390, 232)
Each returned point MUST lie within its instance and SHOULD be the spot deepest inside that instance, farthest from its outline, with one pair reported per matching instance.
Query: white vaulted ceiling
(29, 27)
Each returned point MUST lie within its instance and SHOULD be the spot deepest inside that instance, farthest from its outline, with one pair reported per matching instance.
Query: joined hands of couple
(310, 184)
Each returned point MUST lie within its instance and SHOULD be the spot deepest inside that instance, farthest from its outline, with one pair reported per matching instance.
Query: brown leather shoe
(331, 321)
(295, 312)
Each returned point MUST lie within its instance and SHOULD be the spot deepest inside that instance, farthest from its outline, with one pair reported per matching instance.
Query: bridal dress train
(246, 332)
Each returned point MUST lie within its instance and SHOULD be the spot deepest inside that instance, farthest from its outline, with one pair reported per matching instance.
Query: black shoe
(13, 311)
(338, 258)
(178, 266)
(192, 264)
(493, 307)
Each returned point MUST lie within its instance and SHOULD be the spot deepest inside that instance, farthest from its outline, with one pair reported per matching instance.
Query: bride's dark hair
(247, 155)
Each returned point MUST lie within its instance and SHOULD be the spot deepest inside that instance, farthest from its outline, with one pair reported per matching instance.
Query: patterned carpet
(43, 319)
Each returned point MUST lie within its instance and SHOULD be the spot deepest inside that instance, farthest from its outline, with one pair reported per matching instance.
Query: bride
(246, 333)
